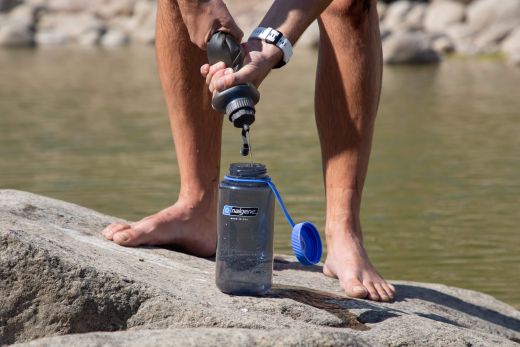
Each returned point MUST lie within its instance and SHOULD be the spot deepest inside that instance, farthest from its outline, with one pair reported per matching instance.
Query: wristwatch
(276, 38)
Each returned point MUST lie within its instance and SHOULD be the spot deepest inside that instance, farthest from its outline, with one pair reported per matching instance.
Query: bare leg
(191, 222)
(348, 86)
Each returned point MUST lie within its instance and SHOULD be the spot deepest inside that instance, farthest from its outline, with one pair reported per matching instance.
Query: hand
(260, 58)
(204, 17)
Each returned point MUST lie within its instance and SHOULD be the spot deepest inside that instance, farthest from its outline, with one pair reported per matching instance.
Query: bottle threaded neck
(247, 170)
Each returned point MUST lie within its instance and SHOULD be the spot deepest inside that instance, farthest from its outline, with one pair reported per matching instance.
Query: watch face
(273, 37)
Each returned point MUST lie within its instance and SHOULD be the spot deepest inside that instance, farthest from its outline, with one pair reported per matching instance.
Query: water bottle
(245, 231)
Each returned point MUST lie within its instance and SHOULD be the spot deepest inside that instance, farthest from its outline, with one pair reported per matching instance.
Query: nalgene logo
(239, 211)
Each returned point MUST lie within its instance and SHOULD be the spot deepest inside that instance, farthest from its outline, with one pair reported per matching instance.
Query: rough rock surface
(440, 14)
(409, 47)
(59, 276)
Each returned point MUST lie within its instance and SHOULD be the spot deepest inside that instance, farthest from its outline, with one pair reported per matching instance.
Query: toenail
(358, 289)
(123, 237)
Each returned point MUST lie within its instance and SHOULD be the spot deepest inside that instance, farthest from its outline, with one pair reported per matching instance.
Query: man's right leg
(196, 128)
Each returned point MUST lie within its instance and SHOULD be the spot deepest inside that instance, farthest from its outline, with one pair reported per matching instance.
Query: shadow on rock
(281, 264)
(405, 291)
(329, 302)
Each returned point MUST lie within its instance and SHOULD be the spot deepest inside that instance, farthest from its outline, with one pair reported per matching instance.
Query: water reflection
(89, 126)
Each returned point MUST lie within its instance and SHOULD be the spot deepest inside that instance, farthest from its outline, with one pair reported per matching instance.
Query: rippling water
(441, 199)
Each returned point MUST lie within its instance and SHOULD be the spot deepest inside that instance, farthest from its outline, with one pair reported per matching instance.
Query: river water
(443, 191)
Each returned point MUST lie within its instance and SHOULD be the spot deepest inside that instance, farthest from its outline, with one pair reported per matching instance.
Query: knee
(348, 8)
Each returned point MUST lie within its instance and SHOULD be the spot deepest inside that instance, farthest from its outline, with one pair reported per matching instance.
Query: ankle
(343, 225)
(196, 201)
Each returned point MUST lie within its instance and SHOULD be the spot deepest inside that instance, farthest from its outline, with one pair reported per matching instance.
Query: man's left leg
(348, 85)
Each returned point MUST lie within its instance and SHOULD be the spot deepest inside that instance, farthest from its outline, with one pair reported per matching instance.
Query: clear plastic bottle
(245, 232)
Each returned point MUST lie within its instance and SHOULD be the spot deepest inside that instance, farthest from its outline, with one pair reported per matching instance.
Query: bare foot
(348, 261)
(193, 228)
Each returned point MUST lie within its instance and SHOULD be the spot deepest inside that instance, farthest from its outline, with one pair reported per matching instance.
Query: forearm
(292, 17)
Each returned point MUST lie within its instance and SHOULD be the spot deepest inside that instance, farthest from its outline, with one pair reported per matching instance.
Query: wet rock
(441, 14)
(407, 47)
(59, 276)
(114, 38)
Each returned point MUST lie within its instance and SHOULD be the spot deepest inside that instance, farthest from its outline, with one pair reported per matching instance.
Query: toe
(126, 237)
(109, 231)
(382, 292)
(355, 289)
(372, 292)
(389, 290)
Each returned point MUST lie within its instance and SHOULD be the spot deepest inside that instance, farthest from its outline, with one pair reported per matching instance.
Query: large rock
(114, 8)
(441, 14)
(489, 40)
(56, 29)
(7, 5)
(415, 17)
(140, 27)
(16, 34)
(395, 16)
(114, 38)
(59, 276)
(409, 47)
(511, 47)
(484, 13)
(17, 28)
(207, 337)
(463, 37)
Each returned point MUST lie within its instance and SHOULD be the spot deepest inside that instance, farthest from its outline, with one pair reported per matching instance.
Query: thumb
(232, 28)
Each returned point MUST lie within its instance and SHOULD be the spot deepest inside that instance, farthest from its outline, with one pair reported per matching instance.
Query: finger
(247, 74)
(204, 70)
(214, 68)
(216, 78)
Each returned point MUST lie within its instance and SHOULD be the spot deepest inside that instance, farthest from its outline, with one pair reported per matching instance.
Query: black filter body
(245, 232)
(237, 102)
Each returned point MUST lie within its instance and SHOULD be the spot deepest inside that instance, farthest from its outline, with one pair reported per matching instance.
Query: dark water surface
(443, 192)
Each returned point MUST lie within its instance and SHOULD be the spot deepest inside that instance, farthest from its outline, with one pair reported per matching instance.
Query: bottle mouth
(247, 170)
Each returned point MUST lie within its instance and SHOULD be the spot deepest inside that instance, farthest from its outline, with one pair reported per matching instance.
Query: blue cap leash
(305, 238)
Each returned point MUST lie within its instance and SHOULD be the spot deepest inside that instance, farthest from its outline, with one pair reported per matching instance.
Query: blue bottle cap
(306, 243)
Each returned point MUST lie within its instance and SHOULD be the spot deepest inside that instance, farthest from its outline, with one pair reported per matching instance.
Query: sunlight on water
(442, 195)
